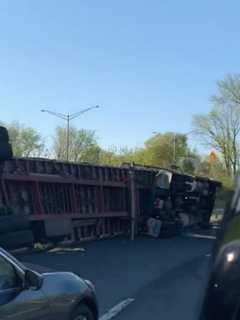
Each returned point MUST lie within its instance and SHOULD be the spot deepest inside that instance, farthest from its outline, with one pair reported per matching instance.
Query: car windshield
(119, 153)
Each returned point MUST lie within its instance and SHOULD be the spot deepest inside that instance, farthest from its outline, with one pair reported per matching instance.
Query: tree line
(218, 130)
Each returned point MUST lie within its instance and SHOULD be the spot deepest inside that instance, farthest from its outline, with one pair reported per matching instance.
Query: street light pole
(68, 133)
(68, 117)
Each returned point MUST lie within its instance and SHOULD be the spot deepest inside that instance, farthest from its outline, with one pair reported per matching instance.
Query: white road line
(201, 236)
(117, 309)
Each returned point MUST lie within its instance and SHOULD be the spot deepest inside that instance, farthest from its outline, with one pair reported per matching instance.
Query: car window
(8, 276)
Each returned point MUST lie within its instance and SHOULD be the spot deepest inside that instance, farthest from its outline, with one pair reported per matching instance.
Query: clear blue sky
(150, 64)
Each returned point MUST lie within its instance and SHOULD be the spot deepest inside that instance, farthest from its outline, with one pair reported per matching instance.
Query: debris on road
(60, 250)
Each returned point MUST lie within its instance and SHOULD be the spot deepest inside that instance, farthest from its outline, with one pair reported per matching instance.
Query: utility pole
(68, 117)
(68, 135)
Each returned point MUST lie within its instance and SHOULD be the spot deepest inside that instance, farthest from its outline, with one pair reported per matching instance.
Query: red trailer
(81, 201)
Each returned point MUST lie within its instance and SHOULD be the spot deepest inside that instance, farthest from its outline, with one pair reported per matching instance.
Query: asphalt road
(164, 277)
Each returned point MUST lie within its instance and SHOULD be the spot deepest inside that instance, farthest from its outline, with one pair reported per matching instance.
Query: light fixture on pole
(68, 117)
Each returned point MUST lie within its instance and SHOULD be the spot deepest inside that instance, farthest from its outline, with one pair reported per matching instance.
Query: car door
(17, 303)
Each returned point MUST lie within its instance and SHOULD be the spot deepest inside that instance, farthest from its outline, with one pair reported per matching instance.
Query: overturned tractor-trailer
(82, 201)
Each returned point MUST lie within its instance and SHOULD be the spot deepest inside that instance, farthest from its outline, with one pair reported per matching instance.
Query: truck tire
(12, 223)
(15, 240)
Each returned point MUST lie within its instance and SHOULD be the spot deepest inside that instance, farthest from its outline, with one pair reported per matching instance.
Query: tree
(215, 170)
(191, 163)
(83, 145)
(220, 128)
(116, 156)
(161, 150)
(26, 141)
(166, 149)
(110, 157)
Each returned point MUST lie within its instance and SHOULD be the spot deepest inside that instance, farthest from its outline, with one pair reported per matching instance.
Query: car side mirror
(32, 280)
